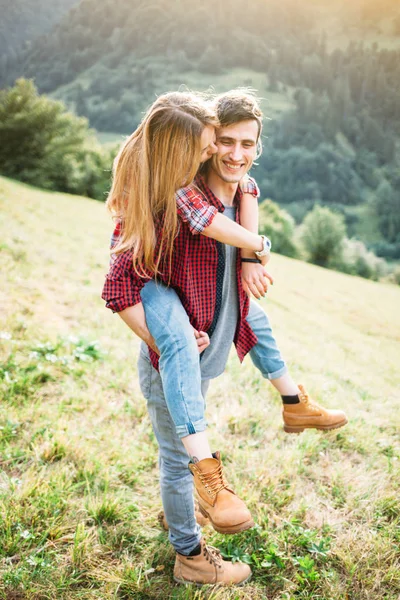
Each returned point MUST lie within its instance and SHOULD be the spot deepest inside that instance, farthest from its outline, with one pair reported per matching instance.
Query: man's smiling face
(237, 149)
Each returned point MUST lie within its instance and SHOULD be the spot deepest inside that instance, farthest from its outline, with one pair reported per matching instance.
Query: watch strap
(250, 260)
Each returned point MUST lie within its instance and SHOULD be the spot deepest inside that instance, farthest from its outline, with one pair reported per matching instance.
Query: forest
(23, 21)
(332, 134)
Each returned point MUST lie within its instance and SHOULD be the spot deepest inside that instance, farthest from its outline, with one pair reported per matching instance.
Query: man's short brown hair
(239, 105)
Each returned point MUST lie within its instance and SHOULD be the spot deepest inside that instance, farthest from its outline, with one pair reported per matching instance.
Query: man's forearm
(226, 231)
(135, 318)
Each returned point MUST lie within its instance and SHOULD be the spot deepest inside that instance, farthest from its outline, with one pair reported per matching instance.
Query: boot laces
(212, 555)
(305, 399)
(214, 481)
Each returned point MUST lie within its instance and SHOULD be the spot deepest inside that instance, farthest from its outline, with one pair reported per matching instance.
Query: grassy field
(79, 479)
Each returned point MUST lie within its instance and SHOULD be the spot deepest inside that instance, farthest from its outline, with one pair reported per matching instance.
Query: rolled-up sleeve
(193, 209)
(122, 285)
(249, 186)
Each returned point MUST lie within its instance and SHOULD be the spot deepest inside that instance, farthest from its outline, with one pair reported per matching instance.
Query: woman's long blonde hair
(161, 156)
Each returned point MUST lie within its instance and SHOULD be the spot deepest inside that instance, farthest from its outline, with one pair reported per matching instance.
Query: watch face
(266, 247)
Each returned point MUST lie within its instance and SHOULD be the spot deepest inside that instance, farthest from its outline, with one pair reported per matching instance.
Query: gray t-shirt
(214, 358)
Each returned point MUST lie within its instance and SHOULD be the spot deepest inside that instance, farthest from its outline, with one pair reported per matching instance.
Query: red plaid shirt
(193, 272)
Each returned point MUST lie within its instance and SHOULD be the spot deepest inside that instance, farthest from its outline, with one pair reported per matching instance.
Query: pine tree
(45, 145)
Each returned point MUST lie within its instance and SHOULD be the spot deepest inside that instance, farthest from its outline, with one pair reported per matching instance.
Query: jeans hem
(276, 374)
(187, 550)
(191, 428)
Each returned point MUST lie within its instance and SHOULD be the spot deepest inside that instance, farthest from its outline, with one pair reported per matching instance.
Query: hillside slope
(79, 484)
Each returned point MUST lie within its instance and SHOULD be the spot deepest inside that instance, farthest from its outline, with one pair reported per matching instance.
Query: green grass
(79, 479)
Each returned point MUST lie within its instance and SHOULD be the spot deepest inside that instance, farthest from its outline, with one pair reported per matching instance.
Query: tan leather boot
(309, 415)
(209, 567)
(217, 501)
(200, 518)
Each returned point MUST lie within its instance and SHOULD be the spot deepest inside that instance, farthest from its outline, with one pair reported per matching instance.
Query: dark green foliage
(44, 145)
(388, 211)
(325, 174)
(387, 250)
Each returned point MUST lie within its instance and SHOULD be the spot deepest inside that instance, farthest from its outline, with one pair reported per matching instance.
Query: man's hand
(203, 341)
(255, 279)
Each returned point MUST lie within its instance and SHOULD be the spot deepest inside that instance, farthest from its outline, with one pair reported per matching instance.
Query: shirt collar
(212, 198)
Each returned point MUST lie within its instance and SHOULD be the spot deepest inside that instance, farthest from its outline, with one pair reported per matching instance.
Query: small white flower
(51, 357)
(26, 534)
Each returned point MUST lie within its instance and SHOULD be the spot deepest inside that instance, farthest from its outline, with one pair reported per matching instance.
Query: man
(225, 314)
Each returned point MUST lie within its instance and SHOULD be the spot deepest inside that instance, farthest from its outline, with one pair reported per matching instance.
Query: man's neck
(225, 192)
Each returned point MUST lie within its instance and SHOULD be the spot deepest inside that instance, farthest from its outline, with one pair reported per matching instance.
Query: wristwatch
(266, 247)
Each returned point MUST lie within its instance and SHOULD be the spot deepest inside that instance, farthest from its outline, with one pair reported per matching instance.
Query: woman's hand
(255, 280)
(244, 183)
(203, 341)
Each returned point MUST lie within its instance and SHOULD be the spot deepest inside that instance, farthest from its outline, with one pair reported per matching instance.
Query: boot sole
(299, 429)
(199, 585)
(228, 530)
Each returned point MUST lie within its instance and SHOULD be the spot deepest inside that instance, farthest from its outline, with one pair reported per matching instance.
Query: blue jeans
(176, 481)
(179, 361)
(173, 390)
